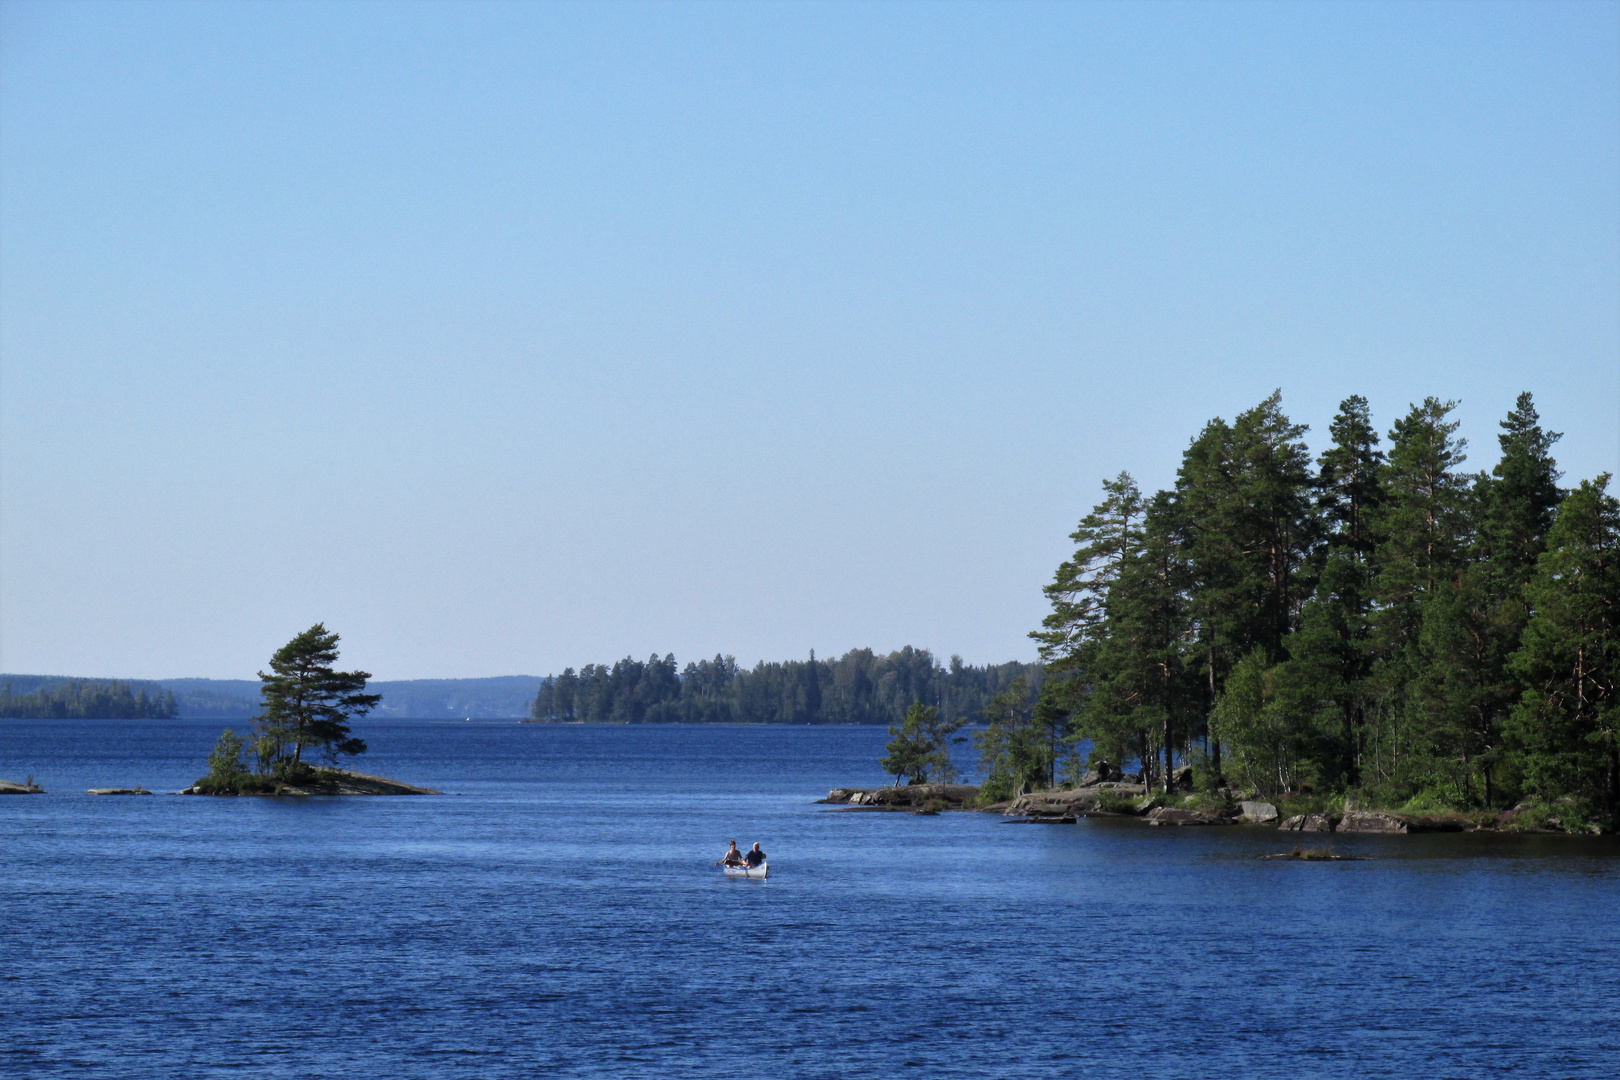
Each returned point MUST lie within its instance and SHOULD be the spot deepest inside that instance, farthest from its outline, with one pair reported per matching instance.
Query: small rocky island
(27, 787)
(323, 781)
(307, 706)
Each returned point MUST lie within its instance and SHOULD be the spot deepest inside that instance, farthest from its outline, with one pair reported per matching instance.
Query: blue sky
(505, 337)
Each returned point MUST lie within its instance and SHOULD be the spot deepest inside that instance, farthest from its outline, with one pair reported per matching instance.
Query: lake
(557, 912)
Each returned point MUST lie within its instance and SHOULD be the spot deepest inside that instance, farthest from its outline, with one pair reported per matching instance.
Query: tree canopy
(1378, 621)
(308, 704)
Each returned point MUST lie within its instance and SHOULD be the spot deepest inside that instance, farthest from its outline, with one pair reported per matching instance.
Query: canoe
(746, 871)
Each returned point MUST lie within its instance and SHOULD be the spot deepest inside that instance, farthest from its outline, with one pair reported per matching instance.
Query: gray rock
(1307, 823)
(1181, 778)
(1175, 815)
(911, 795)
(1121, 788)
(118, 791)
(1367, 821)
(1103, 773)
(1259, 812)
(1054, 804)
(10, 787)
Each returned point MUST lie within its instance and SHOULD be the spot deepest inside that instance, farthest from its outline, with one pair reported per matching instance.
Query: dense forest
(1376, 622)
(860, 687)
(91, 699)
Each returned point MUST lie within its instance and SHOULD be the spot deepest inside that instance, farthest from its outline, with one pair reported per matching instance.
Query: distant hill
(499, 697)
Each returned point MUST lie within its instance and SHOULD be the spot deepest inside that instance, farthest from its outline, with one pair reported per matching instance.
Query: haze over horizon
(503, 338)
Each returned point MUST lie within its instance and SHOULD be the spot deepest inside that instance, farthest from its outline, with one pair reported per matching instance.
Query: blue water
(557, 913)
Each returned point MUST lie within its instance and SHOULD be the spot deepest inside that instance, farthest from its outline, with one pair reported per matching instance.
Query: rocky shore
(1108, 793)
(916, 798)
(329, 781)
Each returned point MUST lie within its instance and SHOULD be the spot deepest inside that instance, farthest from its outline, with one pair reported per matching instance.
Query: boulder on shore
(1307, 823)
(1102, 773)
(1368, 821)
(1081, 802)
(1375, 821)
(10, 787)
(1257, 812)
(1175, 815)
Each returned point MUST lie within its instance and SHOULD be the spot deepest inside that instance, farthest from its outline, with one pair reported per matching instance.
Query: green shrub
(1207, 802)
(1111, 803)
(1332, 805)
(1430, 801)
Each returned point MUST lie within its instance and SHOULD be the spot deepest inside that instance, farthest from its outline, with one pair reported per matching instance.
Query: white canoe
(746, 871)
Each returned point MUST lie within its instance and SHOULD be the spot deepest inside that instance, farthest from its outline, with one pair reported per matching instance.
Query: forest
(86, 699)
(860, 687)
(1376, 623)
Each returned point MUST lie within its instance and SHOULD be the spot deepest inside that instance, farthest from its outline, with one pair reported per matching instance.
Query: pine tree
(308, 704)
(1243, 495)
(919, 747)
(1012, 752)
(1143, 701)
(1106, 538)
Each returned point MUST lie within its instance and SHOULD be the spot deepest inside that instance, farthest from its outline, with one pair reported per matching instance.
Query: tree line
(1376, 621)
(860, 687)
(87, 699)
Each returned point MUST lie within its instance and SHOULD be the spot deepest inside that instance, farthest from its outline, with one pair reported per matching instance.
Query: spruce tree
(1423, 524)
(1566, 724)
(1472, 626)
(1330, 654)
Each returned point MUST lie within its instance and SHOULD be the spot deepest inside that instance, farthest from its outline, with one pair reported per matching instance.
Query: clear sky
(506, 337)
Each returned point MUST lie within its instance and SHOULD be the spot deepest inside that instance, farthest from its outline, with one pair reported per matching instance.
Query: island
(324, 781)
(307, 705)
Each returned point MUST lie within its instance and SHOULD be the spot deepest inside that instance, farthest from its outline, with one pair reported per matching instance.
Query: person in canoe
(732, 857)
(754, 858)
